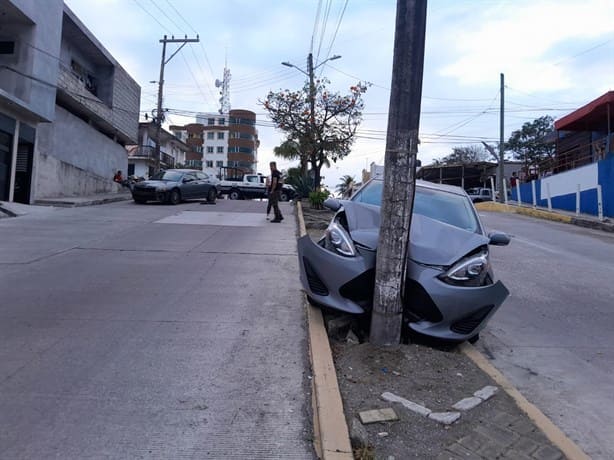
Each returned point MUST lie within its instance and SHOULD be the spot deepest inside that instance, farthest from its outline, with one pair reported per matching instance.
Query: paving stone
(548, 453)
(514, 455)
(467, 403)
(412, 406)
(474, 441)
(526, 428)
(447, 418)
(486, 393)
(498, 434)
(491, 450)
(462, 452)
(378, 415)
(525, 445)
(505, 418)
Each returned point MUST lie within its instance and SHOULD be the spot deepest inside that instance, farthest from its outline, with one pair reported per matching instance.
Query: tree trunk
(399, 172)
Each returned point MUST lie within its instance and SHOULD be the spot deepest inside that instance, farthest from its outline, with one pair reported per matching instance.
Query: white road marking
(223, 219)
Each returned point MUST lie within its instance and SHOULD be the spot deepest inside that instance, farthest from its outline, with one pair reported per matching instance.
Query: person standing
(268, 195)
(274, 194)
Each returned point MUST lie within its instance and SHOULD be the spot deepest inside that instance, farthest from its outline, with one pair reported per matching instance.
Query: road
(152, 331)
(553, 337)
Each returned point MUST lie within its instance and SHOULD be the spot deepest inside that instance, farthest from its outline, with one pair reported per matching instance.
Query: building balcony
(148, 153)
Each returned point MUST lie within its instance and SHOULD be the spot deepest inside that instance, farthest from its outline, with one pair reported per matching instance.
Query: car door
(189, 186)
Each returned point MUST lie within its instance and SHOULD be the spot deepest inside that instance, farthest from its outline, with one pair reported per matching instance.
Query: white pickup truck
(479, 194)
(251, 186)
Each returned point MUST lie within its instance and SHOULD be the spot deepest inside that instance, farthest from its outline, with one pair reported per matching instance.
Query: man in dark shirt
(274, 194)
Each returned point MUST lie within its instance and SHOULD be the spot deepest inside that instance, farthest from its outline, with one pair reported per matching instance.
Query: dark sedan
(175, 185)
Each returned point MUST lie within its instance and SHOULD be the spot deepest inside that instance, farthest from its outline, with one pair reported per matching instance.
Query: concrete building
(225, 140)
(173, 152)
(67, 108)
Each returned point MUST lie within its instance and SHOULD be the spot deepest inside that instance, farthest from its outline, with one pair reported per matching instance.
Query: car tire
(211, 196)
(174, 197)
(139, 201)
(234, 195)
(283, 196)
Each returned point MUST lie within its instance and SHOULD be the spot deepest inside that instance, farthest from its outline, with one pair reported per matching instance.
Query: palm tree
(346, 186)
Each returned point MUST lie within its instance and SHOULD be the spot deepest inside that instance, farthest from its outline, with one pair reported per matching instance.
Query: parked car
(450, 290)
(175, 185)
(479, 194)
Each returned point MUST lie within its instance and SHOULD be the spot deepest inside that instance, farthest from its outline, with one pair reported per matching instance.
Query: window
(220, 150)
(210, 121)
(210, 135)
(209, 164)
(210, 149)
(219, 164)
(220, 135)
(221, 121)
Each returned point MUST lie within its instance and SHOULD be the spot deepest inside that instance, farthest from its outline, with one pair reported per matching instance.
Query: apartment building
(225, 140)
(173, 152)
(67, 108)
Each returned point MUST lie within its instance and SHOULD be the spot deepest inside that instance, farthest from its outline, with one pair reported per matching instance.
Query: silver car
(450, 291)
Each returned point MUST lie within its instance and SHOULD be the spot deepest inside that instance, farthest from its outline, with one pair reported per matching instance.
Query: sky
(556, 56)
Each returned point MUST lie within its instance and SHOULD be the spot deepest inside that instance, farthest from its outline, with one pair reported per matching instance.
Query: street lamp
(312, 91)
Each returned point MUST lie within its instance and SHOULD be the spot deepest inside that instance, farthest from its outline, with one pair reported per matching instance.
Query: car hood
(155, 183)
(431, 242)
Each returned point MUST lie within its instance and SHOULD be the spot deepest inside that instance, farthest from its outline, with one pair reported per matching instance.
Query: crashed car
(450, 290)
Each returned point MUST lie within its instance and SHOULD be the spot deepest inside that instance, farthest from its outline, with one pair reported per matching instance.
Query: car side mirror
(498, 239)
(332, 203)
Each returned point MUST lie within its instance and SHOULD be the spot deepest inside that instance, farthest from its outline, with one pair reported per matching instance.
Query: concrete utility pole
(399, 172)
(501, 175)
(159, 118)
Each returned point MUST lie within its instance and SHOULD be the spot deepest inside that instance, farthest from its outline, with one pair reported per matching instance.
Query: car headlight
(470, 271)
(339, 239)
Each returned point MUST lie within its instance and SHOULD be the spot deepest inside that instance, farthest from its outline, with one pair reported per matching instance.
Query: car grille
(418, 303)
(316, 285)
(467, 325)
(360, 289)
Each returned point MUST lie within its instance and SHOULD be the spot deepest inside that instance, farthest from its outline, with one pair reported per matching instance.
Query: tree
(346, 186)
(528, 143)
(464, 155)
(326, 134)
(292, 150)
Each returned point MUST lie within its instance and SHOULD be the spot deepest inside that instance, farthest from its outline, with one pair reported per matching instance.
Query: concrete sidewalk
(12, 209)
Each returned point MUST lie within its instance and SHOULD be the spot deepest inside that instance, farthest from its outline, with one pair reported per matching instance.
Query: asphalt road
(152, 331)
(553, 337)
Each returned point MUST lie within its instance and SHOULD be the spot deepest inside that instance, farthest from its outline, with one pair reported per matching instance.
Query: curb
(546, 215)
(78, 204)
(331, 434)
(543, 423)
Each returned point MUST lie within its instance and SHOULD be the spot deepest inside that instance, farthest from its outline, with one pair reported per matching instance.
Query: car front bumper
(433, 308)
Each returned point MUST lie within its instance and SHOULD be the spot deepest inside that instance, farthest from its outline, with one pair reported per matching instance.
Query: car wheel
(139, 201)
(174, 197)
(234, 195)
(284, 196)
(211, 196)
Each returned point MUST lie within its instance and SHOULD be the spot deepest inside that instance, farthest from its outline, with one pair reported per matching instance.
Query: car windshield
(440, 205)
(167, 175)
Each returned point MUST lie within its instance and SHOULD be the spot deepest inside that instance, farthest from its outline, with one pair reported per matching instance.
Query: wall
(563, 188)
(38, 59)
(75, 159)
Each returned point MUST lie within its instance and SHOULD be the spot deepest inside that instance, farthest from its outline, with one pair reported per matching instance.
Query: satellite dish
(218, 83)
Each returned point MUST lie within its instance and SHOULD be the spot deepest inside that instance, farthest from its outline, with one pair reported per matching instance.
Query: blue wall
(588, 198)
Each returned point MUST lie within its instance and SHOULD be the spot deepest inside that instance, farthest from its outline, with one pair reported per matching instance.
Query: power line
(152, 16)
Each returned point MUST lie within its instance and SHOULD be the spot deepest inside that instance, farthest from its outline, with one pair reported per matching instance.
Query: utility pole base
(385, 329)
